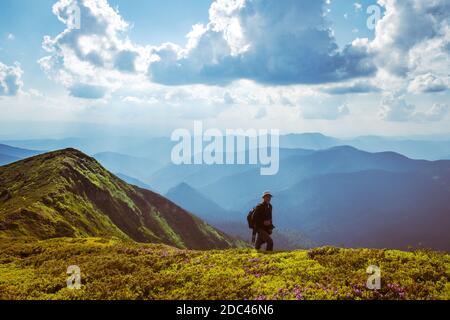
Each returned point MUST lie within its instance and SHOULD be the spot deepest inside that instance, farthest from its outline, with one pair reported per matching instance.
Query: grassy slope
(68, 194)
(112, 269)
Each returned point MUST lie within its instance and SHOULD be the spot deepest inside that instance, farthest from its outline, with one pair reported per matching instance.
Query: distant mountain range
(199, 176)
(10, 154)
(69, 194)
(336, 195)
(128, 165)
(193, 201)
(340, 196)
(412, 148)
(133, 181)
(232, 222)
(373, 208)
(158, 149)
(242, 187)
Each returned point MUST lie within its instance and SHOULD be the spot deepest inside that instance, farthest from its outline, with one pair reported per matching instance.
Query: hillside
(69, 194)
(120, 270)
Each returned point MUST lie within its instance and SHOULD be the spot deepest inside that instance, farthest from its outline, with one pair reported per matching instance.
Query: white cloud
(436, 113)
(10, 79)
(261, 41)
(411, 51)
(413, 37)
(353, 87)
(428, 83)
(93, 57)
(325, 111)
(318, 106)
(10, 36)
(261, 113)
(247, 43)
(396, 108)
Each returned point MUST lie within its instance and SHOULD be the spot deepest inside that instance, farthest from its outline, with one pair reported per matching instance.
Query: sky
(340, 67)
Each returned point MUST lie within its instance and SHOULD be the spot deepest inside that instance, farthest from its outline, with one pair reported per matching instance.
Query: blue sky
(294, 65)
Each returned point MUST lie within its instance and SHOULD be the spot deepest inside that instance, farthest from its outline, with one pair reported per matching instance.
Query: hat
(267, 193)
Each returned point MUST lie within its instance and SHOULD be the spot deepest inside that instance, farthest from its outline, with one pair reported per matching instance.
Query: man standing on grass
(263, 222)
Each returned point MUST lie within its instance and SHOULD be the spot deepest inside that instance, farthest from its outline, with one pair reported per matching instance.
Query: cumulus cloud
(412, 37)
(318, 106)
(428, 83)
(92, 54)
(436, 113)
(247, 43)
(10, 79)
(228, 98)
(261, 41)
(351, 88)
(396, 108)
(322, 111)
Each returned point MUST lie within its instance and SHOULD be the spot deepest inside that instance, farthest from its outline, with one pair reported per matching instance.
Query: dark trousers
(264, 237)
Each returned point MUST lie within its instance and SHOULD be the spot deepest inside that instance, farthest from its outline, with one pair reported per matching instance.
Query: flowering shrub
(113, 269)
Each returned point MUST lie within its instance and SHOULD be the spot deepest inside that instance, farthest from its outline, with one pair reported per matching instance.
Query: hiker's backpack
(250, 218)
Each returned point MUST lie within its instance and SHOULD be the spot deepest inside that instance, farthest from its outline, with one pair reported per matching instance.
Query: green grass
(115, 269)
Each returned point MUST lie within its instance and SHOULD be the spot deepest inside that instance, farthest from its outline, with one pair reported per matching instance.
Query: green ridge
(69, 194)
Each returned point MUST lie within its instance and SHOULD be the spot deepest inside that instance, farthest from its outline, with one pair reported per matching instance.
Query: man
(263, 222)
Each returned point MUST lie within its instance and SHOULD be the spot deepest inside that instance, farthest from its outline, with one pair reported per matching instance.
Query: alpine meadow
(213, 157)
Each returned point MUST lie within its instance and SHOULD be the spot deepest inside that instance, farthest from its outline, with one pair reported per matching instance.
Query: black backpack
(250, 218)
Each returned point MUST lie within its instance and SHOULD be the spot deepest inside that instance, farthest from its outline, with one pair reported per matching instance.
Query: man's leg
(269, 242)
(259, 240)
(264, 237)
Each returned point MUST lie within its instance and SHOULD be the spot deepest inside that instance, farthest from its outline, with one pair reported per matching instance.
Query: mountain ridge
(67, 193)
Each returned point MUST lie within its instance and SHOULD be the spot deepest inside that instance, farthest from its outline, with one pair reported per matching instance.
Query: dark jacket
(263, 212)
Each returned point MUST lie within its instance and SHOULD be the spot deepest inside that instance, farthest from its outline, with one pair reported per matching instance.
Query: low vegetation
(118, 269)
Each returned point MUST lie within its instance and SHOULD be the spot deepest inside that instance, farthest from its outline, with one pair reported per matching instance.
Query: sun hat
(267, 193)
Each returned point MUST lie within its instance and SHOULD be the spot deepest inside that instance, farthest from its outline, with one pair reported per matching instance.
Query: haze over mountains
(343, 196)
(232, 223)
(325, 193)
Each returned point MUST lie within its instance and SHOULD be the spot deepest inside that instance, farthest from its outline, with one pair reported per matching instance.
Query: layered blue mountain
(347, 197)
(199, 176)
(9, 154)
(371, 209)
(133, 181)
(232, 222)
(194, 201)
(244, 186)
(428, 148)
(135, 167)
